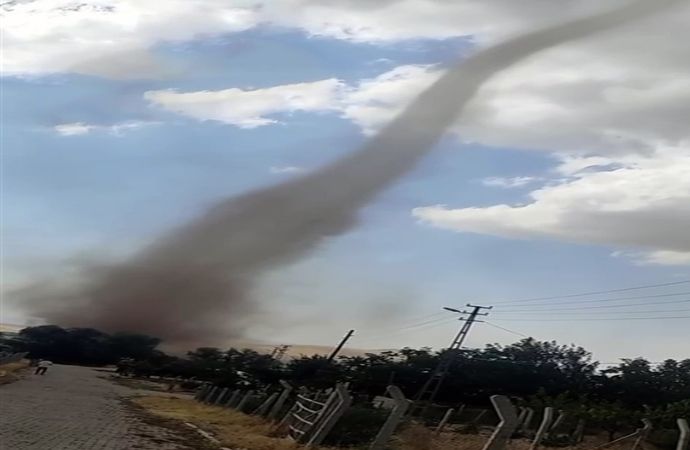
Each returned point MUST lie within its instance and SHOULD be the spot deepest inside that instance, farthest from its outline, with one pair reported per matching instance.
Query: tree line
(533, 372)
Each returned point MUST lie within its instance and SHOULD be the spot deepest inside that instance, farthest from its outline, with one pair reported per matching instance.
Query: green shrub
(358, 426)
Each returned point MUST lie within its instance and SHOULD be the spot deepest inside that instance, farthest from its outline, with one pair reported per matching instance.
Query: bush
(358, 426)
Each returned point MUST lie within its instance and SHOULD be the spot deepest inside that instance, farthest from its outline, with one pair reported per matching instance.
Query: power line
(410, 324)
(437, 320)
(584, 294)
(411, 329)
(652, 311)
(589, 319)
(505, 329)
(577, 308)
(601, 300)
(415, 320)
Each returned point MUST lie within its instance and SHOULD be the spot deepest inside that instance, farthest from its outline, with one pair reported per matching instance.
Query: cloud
(657, 258)
(250, 108)
(508, 183)
(73, 129)
(666, 257)
(282, 170)
(571, 105)
(117, 38)
(81, 128)
(107, 37)
(618, 135)
(371, 103)
(395, 20)
(611, 110)
(645, 204)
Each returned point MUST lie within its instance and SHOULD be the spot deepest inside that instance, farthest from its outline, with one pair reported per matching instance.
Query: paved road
(73, 408)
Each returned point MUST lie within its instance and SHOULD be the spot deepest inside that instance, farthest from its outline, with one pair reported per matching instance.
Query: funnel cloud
(193, 285)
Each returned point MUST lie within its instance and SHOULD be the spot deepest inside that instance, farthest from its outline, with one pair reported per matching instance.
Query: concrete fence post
(643, 433)
(479, 416)
(208, 393)
(397, 413)
(211, 394)
(521, 415)
(221, 396)
(263, 408)
(684, 437)
(444, 421)
(234, 398)
(278, 405)
(527, 420)
(579, 433)
(506, 427)
(546, 421)
(201, 392)
(244, 400)
(562, 415)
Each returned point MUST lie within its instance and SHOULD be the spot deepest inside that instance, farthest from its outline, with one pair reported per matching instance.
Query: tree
(136, 346)
(84, 345)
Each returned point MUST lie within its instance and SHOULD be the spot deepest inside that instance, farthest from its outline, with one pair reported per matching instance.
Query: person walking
(42, 366)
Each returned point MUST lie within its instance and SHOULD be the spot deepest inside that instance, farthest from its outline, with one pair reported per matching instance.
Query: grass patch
(12, 371)
(143, 385)
(232, 428)
(240, 431)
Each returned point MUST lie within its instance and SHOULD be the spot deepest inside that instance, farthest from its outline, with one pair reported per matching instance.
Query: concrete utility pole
(428, 392)
(279, 351)
(335, 351)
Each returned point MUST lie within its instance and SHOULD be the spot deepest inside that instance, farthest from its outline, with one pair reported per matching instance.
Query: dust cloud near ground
(193, 284)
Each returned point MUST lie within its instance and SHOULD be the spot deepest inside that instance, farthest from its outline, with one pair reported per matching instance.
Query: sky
(567, 174)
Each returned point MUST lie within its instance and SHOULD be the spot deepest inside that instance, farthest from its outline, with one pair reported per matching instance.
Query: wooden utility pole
(336, 350)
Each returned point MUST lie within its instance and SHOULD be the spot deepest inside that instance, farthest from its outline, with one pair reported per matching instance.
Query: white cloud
(395, 20)
(508, 183)
(250, 108)
(612, 109)
(373, 102)
(110, 38)
(657, 258)
(587, 108)
(81, 128)
(282, 170)
(73, 129)
(667, 258)
(114, 38)
(644, 204)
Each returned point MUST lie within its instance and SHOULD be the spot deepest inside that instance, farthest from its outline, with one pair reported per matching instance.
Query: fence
(311, 417)
(310, 420)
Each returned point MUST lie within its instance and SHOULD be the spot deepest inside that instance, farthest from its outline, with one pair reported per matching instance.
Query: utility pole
(279, 351)
(335, 351)
(428, 392)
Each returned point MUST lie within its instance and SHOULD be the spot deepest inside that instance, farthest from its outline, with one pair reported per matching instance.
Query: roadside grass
(233, 429)
(240, 431)
(12, 371)
(142, 385)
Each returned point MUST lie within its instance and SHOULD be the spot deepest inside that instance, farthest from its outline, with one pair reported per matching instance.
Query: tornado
(193, 284)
